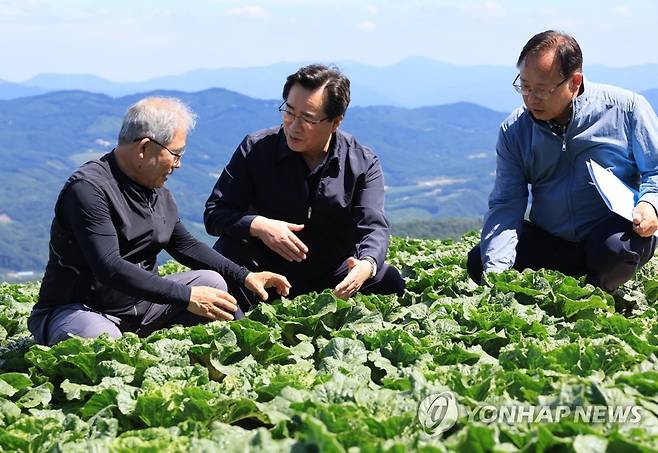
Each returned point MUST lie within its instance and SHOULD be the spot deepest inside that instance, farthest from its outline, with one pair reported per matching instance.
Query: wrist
(255, 226)
(373, 265)
(650, 204)
(247, 279)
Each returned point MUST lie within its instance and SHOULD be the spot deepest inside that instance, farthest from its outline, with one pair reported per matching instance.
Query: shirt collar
(123, 178)
(114, 167)
(582, 96)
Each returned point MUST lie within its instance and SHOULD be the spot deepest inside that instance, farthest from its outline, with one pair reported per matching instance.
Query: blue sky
(131, 40)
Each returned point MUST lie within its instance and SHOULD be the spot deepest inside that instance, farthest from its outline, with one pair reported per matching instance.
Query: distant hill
(82, 82)
(434, 158)
(412, 82)
(10, 90)
(450, 228)
(438, 161)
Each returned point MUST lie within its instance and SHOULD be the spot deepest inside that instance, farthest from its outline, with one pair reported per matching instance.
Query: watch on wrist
(373, 265)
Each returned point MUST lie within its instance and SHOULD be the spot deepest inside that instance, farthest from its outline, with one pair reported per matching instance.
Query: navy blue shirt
(341, 204)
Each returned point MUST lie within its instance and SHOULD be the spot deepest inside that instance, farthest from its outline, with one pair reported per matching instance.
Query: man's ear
(576, 82)
(141, 146)
(336, 122)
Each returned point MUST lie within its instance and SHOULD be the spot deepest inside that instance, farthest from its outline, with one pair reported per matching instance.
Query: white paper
(618, 197)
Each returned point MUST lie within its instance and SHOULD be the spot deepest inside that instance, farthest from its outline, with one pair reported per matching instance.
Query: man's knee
(209, 278)
(387, 281)
(474, 264)
(617, 258)
(246, 253)
(81, 323)
(394, 281)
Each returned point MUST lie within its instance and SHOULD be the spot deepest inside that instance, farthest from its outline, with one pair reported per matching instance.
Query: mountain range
(410, 83)
(438, 161)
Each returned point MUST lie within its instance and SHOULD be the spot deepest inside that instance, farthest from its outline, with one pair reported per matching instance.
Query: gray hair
(158, 118)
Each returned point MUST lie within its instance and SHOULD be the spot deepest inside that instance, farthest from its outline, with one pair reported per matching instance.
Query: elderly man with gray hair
(112, 218)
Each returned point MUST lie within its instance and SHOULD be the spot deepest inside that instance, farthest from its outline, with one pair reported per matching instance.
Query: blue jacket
(344, 217)
(616, 128)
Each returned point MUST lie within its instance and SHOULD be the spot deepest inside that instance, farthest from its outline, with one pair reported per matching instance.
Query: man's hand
(645, 221)
(212, 303)
(360, 271)
(280, 237)
(259, 281)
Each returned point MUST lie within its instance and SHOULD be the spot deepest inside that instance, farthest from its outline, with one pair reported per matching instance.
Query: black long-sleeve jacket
(344, 217)
(104, 240)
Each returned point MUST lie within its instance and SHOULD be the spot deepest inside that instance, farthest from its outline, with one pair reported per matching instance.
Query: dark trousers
(609, 256)
(255, 256)
(52, 325)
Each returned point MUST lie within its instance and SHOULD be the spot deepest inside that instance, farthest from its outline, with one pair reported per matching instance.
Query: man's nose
(297, 121)
(534, 97)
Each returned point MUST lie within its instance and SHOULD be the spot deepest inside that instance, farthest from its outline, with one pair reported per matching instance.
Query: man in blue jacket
(545, 144)
(305, 199)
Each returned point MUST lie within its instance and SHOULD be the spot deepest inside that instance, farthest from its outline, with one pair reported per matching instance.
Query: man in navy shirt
(305, 199)
(112, 218)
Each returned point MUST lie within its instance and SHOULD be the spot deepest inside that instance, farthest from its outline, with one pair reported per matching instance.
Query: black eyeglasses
(177, 156)
(287, 115)
(540, 93)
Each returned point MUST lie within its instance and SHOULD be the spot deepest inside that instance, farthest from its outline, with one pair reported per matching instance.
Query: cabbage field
(531, 361)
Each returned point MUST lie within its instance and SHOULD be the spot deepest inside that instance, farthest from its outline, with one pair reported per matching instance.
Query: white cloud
(102, 142)
(489, 9)
(21, 8)
(45, 13)
(249, 11)
(622, 11)
(366, 25)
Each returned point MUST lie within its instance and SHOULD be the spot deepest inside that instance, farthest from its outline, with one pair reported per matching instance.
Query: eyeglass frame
(305, 121)
(519, 89)
(177, 156)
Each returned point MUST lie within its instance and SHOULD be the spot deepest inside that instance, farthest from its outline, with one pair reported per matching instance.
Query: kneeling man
(112, 218)
(566, 121)
(305, 199)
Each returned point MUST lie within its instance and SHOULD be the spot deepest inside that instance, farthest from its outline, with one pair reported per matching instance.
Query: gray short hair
(158, 118)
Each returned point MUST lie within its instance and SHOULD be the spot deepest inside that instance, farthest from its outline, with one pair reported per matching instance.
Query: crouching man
(306, 199)
(112, 218)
